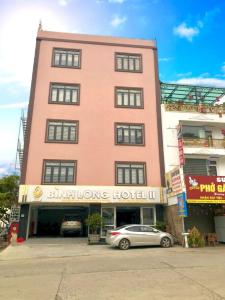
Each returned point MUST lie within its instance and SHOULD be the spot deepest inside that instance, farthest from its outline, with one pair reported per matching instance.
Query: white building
(194, 141)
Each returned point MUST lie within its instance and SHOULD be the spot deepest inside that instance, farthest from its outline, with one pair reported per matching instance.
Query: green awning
(189, 94)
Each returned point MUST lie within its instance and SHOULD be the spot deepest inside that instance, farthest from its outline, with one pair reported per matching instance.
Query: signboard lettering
(205, 189)
(107, 194)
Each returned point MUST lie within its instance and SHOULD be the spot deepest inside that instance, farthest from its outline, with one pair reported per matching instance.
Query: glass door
(109, 215)
(148, 216)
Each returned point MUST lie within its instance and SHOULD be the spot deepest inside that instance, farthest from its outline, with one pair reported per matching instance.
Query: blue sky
(190, 37)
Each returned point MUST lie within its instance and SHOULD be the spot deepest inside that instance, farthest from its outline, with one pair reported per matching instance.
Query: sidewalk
(71, 247)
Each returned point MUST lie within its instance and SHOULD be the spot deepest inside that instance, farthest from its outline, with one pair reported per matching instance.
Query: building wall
(95, 152)
(170, 120)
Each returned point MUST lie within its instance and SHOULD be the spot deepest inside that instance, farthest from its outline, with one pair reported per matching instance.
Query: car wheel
(124, 244)
(165, 242)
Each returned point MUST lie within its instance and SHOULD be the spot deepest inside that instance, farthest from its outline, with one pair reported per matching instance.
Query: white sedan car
(127, 236)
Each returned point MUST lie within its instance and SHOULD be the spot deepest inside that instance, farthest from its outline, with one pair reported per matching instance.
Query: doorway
(127, 215)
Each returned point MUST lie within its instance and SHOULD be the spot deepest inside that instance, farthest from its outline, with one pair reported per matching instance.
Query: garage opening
(127, 215)
(50, 219)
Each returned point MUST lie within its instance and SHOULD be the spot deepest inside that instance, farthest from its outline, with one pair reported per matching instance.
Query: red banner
(205, 189)
(181, 151)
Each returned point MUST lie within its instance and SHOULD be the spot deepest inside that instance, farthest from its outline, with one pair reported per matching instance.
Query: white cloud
(165, 59)
(117, 1)
(186, 32)
(3, 171)
(18, 31)
(189, 32)
(214, 82)
(7, 168)
(14, 105)
(117, 20)
(63, 2)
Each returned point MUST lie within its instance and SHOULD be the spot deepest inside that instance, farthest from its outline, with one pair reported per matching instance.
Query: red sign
(181, 151)
(205, 189)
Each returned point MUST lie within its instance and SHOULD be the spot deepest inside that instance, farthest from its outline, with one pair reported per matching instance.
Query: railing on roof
(204, 142)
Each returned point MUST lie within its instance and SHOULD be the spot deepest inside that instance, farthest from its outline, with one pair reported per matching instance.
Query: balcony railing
(207, 143)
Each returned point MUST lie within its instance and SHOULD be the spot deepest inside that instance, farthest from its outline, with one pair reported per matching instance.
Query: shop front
(43, 207)
(206, 204)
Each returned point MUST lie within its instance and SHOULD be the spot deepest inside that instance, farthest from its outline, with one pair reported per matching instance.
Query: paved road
(64, 269)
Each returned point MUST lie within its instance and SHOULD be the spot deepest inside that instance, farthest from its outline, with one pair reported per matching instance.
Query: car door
(134, 234)
(149, 235)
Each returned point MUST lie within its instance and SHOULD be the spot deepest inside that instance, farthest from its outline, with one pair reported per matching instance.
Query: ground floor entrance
(207, 218)
(127, 215)
(46, 220)
(117, 215)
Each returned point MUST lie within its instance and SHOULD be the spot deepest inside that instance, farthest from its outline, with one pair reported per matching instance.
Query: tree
(9, 187)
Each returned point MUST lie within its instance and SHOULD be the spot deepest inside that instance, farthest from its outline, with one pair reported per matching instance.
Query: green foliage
(9, 187)
(160, 226)
(94, 222)
(195, 239)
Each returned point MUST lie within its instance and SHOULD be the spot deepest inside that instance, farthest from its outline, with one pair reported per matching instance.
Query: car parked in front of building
(71, 225)
(128, 236)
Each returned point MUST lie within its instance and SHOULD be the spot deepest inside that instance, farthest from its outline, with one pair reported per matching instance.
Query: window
(68, 58)
(127, 134)
(128, 62)
(64, 94)
(212, 170)
(195, 132)
(130, 174)
(129, 97)
(62, 131)
(134, 228)
(146, 229)
(59, 172)
(203, 167)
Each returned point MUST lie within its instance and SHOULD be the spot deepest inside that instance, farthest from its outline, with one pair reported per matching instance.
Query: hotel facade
(93, 137)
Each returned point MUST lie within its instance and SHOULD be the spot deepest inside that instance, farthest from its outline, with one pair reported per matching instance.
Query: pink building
(93, 133)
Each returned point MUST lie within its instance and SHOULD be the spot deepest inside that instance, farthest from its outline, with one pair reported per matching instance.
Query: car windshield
(70, 218)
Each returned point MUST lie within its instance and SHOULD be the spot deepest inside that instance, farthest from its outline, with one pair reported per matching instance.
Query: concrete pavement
(70, 269)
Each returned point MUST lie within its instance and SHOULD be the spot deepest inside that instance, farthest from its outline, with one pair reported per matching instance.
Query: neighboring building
(194, 145)
(93, 139)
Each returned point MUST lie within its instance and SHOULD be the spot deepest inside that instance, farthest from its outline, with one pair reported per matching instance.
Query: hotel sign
(89, 194)
(205, 189)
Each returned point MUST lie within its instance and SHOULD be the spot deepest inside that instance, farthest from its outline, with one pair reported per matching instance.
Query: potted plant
(94, 223)
(195, 239)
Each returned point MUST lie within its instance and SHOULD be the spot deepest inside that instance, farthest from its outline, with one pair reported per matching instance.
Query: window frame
(61, 141)
(59, 161)
(66, 49)
(129, 54)
(130, 163)
(129, 124)
(63, 84)
(129, 88)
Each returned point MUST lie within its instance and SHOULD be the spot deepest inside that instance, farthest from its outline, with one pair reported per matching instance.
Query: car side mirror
(155, 230)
